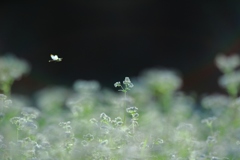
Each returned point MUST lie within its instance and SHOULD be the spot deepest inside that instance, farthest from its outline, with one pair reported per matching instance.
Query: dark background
(108, 40)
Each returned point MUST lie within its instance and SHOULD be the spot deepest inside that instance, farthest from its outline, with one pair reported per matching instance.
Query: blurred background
(108, 40)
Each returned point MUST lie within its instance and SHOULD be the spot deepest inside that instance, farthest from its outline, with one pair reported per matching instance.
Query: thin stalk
(17, 134)
(124, 107)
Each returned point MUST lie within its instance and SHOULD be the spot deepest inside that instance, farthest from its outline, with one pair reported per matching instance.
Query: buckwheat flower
(185, 126)
(12, 68)
(7, 103)
(162, 81)
(227, 63)
(15, 120)
(30, 112)
(65, 125)
(215, 101)
(132, 109)
(209, 120)
(127, 82)
(93, 120)
(103, 116)
(230, 80)
(118, 119)
(19, 122)
(117, 84)
(4, 102)
(130, 85)
(86, 86)
(88, 137)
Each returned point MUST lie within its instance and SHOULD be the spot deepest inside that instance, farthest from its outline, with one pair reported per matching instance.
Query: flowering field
(148, 119)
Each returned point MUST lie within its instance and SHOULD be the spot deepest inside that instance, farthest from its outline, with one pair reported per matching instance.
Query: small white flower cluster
(132, 110)
(126, 82)
(215, 100)
(208, 121)
(4, 102)
(142, 132)
(217, 103)
(230, 80)
(227, 63)
(12, 68)
(163, 81)
(86, 86)
(68, 136)
(105, 118)
(26, 122)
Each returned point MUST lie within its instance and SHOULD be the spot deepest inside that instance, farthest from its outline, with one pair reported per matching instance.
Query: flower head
(128, 82)
(117, 84)
(227, 63)
(12, 68)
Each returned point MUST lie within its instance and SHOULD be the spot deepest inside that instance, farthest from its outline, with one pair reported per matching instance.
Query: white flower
(12, 68)
(227, 63)
(117, 84)
(128, 82)
(163, 81)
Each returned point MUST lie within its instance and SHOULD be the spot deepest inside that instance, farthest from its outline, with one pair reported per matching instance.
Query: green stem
(6, 87)
(17, 134)
(124, 107)
(133, 127)
(211, 129)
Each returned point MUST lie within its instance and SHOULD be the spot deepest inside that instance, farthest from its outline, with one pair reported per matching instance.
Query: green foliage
(151, 120)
